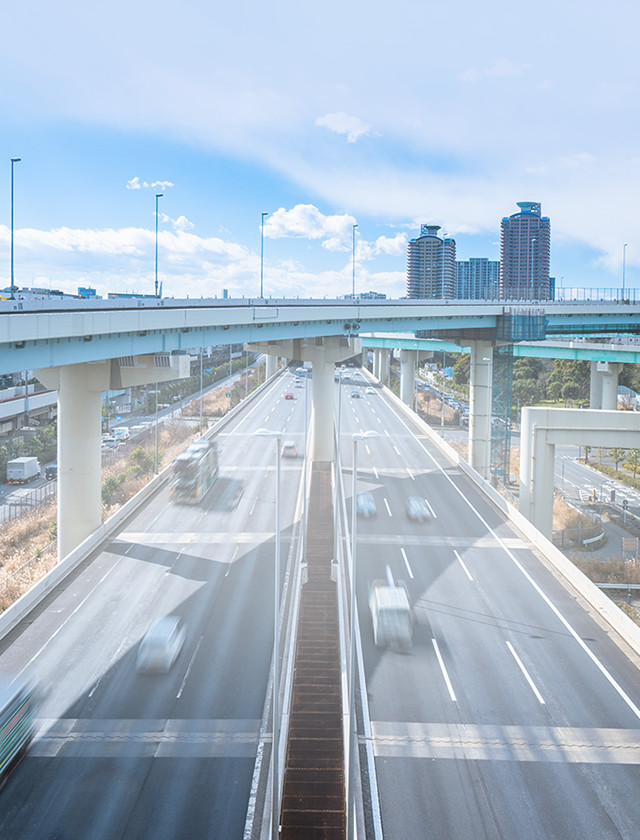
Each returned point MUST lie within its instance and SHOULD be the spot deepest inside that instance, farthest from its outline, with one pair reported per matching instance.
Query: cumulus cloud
(341, 123)
(181, 223)
(136, 184)
(305, 221)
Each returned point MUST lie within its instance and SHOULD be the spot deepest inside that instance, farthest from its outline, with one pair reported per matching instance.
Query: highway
(128, 755)
(515, 715)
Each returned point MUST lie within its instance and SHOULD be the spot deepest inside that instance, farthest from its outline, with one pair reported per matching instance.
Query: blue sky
(324, 116)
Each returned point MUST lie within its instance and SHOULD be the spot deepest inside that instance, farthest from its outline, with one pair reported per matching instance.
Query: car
(288, 396)
(298, 384)
(365, 505)
(289, 449)
(51, 472)
(418, 509)
(161, 645)
(370, 390)
(355, 394)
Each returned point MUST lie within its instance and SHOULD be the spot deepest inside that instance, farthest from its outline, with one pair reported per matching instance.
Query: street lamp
(624, 264)
(353, 261)
(262, 254)
(352, 647)
(13, 286)
(275, 764)
(158, 195)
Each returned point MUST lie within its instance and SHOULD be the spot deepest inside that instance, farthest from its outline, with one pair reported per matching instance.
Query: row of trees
(43, 445)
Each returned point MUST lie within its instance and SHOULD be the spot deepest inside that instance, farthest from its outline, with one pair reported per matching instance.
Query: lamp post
(352, 646)
(262, 254)
(158, 195)
(624, 264)
(353, 262)
(13, 285)
(275, 763)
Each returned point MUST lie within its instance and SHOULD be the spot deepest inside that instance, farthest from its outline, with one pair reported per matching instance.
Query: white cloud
(181, 223)
(341, 123)
(501, 68)
(305, 221)
(136, 184)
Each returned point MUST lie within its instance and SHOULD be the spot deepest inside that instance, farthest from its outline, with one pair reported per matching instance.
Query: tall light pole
(624, 264)
(353, 740)
(353, 263)
(262, 254)
(13, 285)
(275, 763)
(158, 195)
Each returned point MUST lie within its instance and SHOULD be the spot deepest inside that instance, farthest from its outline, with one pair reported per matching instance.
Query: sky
(323, 116)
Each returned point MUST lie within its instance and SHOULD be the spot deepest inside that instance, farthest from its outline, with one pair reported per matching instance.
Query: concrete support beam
(595, 386)
(385, 361)
(271, 365)
(610, 372)
(480, 406)
(377, 356)
(80, 390)
(408, 360)
(545, 428)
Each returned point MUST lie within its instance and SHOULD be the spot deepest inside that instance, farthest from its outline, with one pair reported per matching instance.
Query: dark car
(51, 472)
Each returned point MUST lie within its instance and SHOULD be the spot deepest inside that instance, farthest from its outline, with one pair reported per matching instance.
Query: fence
(12, 585)
(26, 502)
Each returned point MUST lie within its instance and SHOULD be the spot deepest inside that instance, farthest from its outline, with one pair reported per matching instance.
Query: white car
(418, 509)
(161, 645)
(289, 449)
(365, 505)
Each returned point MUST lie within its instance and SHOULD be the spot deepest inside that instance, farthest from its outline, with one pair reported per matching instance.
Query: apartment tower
(525, 249)
(431, 265)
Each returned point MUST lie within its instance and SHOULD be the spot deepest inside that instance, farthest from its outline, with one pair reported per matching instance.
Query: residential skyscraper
(525, 249)
(477, 279)
(431, 264)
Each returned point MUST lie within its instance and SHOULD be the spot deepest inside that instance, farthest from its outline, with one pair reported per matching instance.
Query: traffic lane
(454, 799)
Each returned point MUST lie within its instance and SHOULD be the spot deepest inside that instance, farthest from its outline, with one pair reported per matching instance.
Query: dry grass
(430, 409)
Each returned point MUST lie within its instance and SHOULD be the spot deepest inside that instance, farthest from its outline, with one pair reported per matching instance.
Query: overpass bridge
(81, 348)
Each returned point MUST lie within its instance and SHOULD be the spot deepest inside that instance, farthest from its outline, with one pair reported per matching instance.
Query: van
(289, 449)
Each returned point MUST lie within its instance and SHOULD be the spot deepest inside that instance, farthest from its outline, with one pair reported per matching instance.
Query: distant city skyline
(234, 112)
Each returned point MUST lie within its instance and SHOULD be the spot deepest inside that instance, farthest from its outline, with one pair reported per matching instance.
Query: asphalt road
(125, 755)
(515, 715)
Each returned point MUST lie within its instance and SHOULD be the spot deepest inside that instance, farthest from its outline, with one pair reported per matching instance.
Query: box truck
(21, 470)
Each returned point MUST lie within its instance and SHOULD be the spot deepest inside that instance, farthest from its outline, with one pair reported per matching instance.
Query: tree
(461, 370)
(527, 391)
(571, 390)
(633, 460)
(565, 371)
(617, 455)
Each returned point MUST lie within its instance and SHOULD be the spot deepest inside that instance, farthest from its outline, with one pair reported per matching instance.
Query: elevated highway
(516, 713)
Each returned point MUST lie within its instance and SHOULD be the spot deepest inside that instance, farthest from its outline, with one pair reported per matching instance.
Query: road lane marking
(387, 506)
(444, 671)
(188, 671)
(397, 450)
(526, 673)
(461, 561)
(406, 562)
(411, 475)
(433, 513)
(608, 676)
(376, 473)
(366, 446)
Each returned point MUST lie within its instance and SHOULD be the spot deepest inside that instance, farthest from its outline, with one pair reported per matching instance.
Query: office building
(431, 264)
(477, 278)
(525, 249)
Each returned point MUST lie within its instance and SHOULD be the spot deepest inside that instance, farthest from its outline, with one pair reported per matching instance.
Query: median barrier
(627, 629)
(20, 608)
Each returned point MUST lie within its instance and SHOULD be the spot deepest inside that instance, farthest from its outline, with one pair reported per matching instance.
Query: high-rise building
(477, 279)
(431, 264)
(525, 249)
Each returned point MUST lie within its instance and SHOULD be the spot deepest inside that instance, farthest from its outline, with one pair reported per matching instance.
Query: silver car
(161, 645)
(365, 505)
(418, 509)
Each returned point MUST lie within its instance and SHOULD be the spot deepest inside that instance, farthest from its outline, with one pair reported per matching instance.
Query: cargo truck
(390, 613)
(21, 470)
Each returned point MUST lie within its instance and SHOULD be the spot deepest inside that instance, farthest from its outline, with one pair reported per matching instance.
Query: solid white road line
(406, 562)
(387, 506)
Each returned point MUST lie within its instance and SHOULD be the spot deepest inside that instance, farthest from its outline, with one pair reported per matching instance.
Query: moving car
(370, 390)
(418, 509)
(161, 645)
(288, 396)
(355, 394)
(365, 505)
(289, 449)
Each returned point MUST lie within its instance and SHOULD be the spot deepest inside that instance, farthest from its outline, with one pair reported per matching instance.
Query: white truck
(390, 613)
(21, 470)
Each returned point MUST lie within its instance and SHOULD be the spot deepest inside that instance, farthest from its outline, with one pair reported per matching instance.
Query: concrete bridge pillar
(384, 366)
(271, 366)
(80, 388)
(407, 375)
(595, 387)
(480, 406)
(377, 355)
(610, 372)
